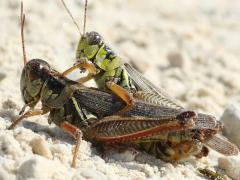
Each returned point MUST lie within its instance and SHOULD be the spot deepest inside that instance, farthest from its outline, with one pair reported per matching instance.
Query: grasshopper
(110, 72)
(167, 133)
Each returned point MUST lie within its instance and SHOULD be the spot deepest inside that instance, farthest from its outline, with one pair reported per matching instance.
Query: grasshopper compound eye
(37, 69)
(93, 38)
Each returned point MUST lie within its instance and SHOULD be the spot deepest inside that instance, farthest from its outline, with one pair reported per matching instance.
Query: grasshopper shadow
(50, 131)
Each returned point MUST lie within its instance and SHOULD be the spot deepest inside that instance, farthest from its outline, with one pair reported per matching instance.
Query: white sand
(191, 48)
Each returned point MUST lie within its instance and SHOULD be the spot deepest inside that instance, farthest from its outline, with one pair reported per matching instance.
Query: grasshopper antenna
(22, 21)
(70, 14)
(85, 16)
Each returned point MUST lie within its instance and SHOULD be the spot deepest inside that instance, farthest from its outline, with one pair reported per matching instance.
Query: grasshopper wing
(149, 93)
(205, 121)
(142, 84)
(222, 145)
(114, 129)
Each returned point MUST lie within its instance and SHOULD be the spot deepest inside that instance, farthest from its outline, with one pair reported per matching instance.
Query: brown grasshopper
(168, 133)
(177, 145)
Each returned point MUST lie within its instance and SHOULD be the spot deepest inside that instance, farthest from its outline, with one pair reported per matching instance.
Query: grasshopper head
(88, 45)
(92, 47)
(34, 74)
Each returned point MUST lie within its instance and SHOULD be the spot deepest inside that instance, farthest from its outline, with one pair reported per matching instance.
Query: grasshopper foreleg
(77, 134)
(83, 64)
(85, 79)
(29, 113)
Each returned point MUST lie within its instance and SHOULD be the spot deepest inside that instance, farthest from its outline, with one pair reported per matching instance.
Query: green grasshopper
(111, 73)
(167, 133)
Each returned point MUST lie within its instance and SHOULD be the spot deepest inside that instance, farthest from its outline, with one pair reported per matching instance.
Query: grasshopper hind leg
(123, 94)
(77, 134)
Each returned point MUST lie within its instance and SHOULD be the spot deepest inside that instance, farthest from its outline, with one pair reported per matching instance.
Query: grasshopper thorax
(34, 74)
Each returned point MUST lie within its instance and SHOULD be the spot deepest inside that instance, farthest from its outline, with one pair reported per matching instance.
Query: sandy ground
(190, 48)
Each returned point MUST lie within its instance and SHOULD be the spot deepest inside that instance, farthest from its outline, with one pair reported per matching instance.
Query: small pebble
(231, 121)
(5, 175)
(231, 165)
(175, 59)
(178, 59)
(10, 147)
(9, 104)
(92, 174)
(40, 168)
(40, 147)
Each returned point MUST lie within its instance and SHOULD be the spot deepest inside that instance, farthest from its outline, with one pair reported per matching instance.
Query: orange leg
(77, 134)
(85, 79)
(84, 63)
(123, 94)
(29, 113)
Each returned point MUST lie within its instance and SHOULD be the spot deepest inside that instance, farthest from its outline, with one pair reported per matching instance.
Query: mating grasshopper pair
(153, 122)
